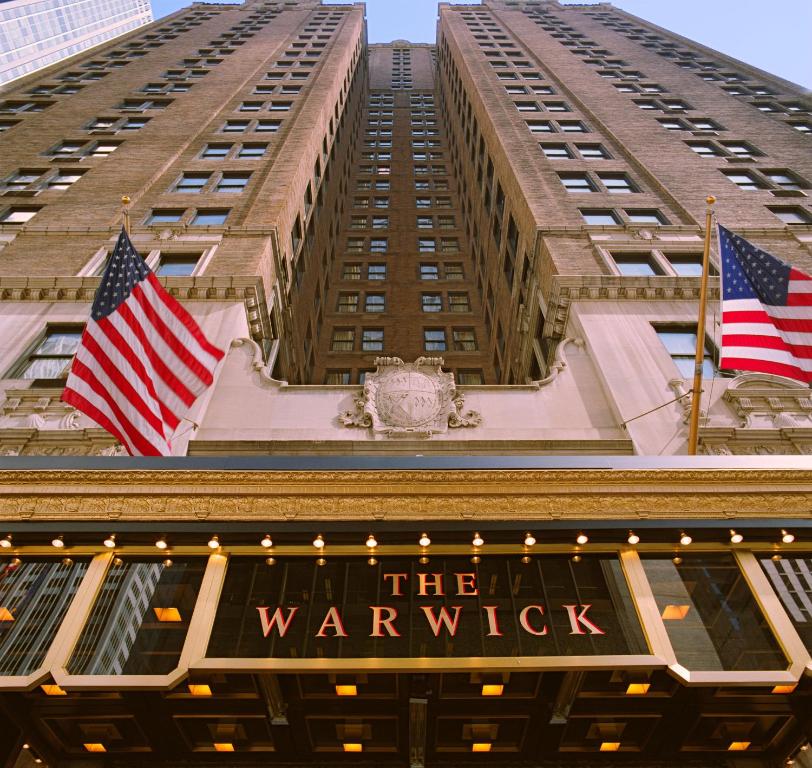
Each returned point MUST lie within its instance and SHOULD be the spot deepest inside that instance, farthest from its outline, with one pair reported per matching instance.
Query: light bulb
(582, 538)
(214, 542)
(5, 542)
(321, 561)
(787, 537)
(161, 543)
(371, 541)
(735, 538)
(318, 542)
(633, 538)
(424, 540)
(110, 541)
(270, 561)
(167, 563)
(685, 539)
(529, 539)
(267, 541)
(477, 541)
(58, 542)
(372, 561)
(476, 559)
(576, 558)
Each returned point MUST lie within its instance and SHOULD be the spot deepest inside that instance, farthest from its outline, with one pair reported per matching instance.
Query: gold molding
(404, 494)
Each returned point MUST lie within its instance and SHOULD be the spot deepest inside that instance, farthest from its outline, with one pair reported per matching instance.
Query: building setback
(435, 509)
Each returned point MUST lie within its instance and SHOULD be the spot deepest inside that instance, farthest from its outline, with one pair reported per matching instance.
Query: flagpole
(699, 359)
(125, 201)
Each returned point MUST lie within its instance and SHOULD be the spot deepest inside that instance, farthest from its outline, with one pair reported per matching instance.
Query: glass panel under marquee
(34, 597)
(791, 578)
(711, 616)
(449, 607)
(140, 618)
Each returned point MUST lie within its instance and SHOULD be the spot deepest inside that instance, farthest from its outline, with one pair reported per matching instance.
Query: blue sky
(773, 36)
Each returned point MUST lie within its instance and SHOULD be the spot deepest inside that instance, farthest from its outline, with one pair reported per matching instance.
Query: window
(164, 216)
(672, 124)
(431, 302)
(215, 151)
(740, 149)
(375, 302)
(376, 272)
(134, 123)
(267, 126)
(426, 245)
(191, 183)
(372, 339)
(557, 106)
(600, 217)
(343, 340)
(646, 217)
(617, 183)
(177, 264)
(102, 149)
(464, 340)
(210, 217)
(67, 148)
(429, 272)
(573, 126)
(333, 376)
(232, 182)
(704, 149)
(235, 126)
(470, 376)
(21, 179)
(453, 271)
(576, 182)
(680, 341)
(527, 106)
(351, 271)
(52, 356)
(380, 222)
(425, 222)
(434, 340)
(355, 244)
(347, 302)
(18, 215)
(793, 215)
(556, 151)
(592, 152)
(540, 126)
(635, 264)
(378, 245)
(280, 106)
(687, 264)
(458, 302)
(251, 151)
(703, 124)
(744, 180)
(64, 179)
(785, 179)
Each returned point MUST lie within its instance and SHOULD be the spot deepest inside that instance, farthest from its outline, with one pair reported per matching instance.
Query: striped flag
(142, 361)
(766, 311)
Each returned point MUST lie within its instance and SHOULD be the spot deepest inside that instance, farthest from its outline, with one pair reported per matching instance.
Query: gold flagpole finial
(699, 359)
(125, 201)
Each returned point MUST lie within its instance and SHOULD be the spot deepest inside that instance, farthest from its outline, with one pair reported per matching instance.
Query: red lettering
(332, 621)
(493, 622)
(435, 582)
(576, 620)
(525, 622)
(282, 625)
(396, 579)
(379, 622)
(444, 618)
(466, 581)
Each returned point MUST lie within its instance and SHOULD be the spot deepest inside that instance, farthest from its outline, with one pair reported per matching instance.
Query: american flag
(142, 361)
(766, 311)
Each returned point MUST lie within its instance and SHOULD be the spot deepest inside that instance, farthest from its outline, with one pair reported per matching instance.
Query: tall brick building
(435, 509)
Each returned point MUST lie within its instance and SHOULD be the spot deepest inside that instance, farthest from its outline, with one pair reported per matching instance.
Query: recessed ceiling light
(610, 746)
(738, 746)
(353, 747)
(481, 746)
(346, 690)
(199, 689)
(637, 689)
(53, 690)
(95, 747)
(493, 689)
(223, 746)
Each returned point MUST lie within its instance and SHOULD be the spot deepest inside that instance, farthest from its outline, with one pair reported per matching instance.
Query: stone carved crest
(414, 399)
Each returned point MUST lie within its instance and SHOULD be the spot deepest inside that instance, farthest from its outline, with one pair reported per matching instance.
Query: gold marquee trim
(405, 494)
